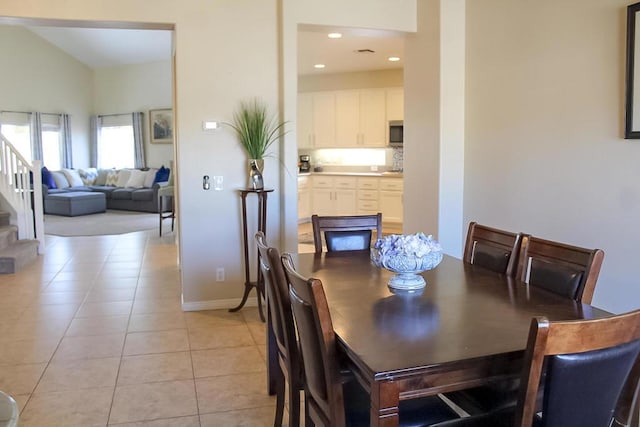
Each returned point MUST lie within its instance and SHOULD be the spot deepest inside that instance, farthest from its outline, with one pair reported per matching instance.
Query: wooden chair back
(323, 388)
(277, 295)
(587, 364)
(492, 248)
(567, 270)
(345, 232)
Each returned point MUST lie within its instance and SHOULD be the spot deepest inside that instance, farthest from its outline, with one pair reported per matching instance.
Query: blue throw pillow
(162, 175)
(47, 178)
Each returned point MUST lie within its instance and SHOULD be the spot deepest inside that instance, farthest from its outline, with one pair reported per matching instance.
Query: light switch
(210, 125)
(217, 182)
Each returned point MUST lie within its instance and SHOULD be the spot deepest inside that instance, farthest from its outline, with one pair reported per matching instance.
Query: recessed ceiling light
(318, 66)
(334, 35)
(394, 59)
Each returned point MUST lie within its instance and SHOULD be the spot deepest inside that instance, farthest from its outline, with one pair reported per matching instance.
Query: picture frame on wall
(161, 126)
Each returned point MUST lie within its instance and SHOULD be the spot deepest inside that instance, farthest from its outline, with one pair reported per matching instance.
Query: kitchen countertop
(376, 174)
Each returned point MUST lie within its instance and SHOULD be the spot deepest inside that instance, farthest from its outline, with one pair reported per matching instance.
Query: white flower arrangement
(407, 255)
(417, 245)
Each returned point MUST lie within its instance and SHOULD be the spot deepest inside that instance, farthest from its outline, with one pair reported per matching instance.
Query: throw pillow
(136, 179)
(60, 179)
(162, 175)
(123, 177)
(150, 177)
(47, 178)
(112, 178)
(88, 175)
(101, 179)
(73, 177)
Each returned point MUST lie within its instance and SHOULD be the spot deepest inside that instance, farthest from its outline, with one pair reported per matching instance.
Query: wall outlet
(219, 274)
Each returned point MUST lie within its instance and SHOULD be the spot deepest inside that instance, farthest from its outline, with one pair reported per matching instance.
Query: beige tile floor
(93, 334)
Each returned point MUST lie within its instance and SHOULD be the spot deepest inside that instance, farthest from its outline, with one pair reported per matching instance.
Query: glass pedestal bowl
(406, 267)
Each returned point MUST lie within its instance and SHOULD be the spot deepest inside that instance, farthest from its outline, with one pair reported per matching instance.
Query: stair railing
(20, 186)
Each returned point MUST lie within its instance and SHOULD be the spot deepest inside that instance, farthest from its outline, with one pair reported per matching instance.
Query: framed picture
(161, 126)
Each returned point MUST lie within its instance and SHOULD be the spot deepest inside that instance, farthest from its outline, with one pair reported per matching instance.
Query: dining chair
(569, 271)
(492, 248)
(334, 398)
(583, 367)
(277, 296)
(345, 233)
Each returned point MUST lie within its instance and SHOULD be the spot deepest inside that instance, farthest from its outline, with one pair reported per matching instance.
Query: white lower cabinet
(348, 195)
(368, 196)
(334, 195)
(391, 199)
(304, 198)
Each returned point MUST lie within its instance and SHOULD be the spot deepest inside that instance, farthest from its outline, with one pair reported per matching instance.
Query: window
(51, 141)
(115, 142)
(16, 127)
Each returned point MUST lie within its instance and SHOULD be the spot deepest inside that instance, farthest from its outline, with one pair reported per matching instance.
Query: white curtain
(94, 122)
(138, 141)
(36, 136)
(67, 161)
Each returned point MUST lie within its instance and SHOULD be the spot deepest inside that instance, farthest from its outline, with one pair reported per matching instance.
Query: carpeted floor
(110, 222)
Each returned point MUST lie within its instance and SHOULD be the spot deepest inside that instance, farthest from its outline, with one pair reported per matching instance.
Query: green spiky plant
(256, 130)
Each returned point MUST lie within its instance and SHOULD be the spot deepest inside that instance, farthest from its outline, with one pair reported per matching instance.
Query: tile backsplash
(380, 159)
(397, 156)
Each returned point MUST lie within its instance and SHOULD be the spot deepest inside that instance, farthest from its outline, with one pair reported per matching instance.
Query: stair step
(8, 235)
(18, 255)
(5, 218)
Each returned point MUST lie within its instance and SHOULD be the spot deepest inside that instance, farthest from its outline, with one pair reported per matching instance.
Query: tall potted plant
(256, 131)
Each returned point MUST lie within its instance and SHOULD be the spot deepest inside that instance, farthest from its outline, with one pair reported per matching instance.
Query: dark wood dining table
(467, 327)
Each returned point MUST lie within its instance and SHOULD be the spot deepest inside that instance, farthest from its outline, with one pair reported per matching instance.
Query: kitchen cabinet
(334, 195)
(363, 195)
(395, 103)
(316, 125)
(304, 198)
(360, 118)
(368, 196)
(391, 199)
(305, 120)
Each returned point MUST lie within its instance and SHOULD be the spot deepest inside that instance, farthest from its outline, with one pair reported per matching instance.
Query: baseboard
(217, 304)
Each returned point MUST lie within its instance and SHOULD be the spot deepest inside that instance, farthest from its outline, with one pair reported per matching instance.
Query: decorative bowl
(407, 256)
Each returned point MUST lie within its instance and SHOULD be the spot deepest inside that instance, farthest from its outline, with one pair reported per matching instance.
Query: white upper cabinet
(395, 103)
(324, 119)
(305, 120)
(348, 118)
(373, 122)
(360, 118)
(316, 120)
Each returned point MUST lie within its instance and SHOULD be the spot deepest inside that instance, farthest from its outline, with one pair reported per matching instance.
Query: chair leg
(160, 213)
(280, 396)
(308, 422)
(173, 211)
(294, 405)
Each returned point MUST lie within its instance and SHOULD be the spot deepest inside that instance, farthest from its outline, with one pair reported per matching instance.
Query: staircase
(14, 253)
(21, 214)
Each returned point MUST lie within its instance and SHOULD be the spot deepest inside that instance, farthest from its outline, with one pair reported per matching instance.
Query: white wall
(227, 52)
(544, 151)
(36, 76)
(422, 122)
(355, 80)
(131, 88)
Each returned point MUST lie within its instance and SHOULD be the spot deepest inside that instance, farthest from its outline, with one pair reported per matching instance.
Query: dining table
(467, 327)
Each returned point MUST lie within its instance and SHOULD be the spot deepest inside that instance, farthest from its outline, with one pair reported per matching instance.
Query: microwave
(396, 133)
